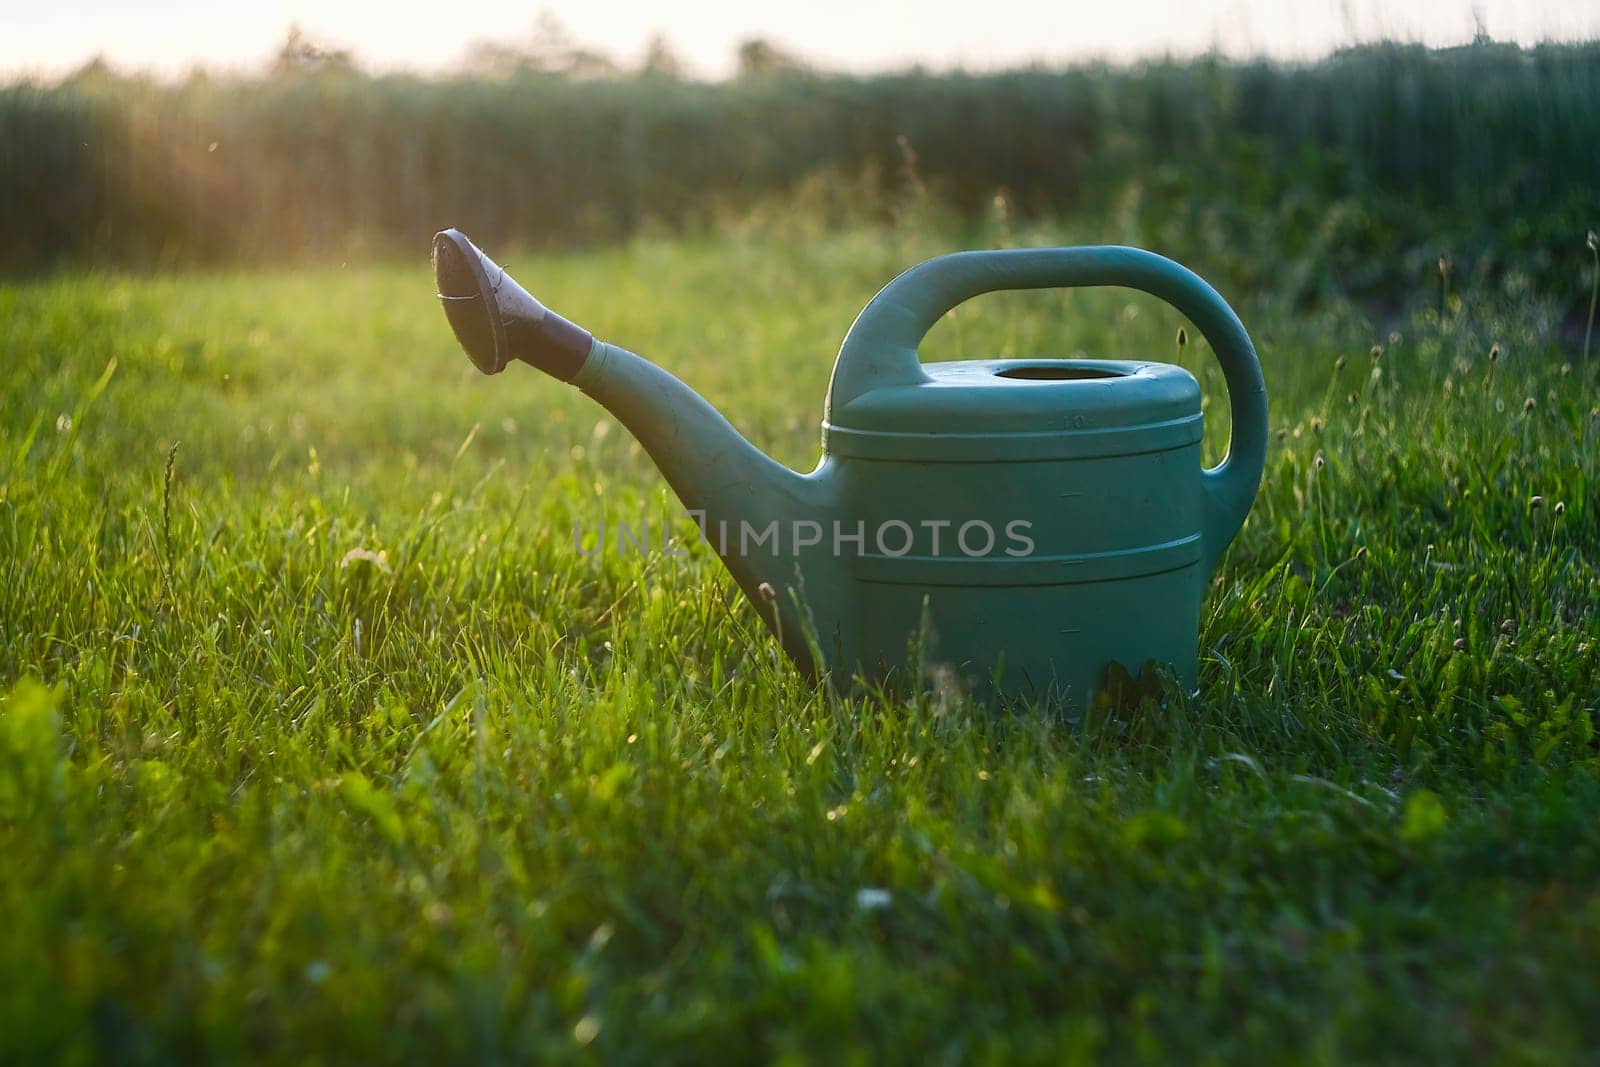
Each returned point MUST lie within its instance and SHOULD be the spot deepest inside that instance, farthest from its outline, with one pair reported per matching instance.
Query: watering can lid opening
(1009, 401)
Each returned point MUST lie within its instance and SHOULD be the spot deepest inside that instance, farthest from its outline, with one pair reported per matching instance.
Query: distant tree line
(1373, 157)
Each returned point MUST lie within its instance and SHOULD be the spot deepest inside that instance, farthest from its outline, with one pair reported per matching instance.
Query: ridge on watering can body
(1026, 409)
(1091, 468)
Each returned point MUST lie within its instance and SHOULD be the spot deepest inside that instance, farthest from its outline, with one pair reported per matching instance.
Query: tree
(299, 53)
(759, 56)
(661, 61)
(550, 49)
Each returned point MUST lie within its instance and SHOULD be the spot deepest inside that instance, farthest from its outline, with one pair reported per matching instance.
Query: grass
(322, 741)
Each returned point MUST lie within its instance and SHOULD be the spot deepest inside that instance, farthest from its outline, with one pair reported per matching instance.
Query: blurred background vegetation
(1380, 170)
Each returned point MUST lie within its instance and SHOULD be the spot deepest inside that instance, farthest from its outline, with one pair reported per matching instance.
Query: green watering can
(1013, 526)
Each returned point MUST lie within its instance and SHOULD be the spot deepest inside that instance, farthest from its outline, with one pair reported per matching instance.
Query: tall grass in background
(1361, 170)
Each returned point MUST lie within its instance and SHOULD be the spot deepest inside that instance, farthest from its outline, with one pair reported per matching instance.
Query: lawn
(323, 742)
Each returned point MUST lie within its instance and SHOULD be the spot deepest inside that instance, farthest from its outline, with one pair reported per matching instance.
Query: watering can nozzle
(495, 319)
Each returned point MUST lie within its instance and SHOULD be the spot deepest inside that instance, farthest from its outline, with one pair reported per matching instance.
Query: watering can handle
(881, 347)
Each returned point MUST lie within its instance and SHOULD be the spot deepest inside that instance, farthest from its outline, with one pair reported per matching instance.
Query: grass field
(322, 742)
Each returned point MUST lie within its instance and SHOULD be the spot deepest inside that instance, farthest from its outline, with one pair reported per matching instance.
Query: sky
(174, 36)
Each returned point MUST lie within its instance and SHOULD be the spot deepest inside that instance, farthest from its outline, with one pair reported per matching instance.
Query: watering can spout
(724, 481)
(495, 319)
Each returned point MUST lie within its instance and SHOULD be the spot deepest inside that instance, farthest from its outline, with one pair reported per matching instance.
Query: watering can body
(1038, 553)
(1007, 527)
